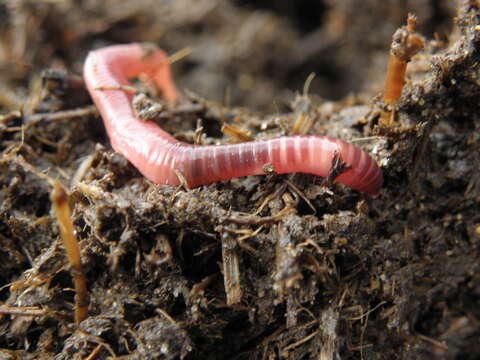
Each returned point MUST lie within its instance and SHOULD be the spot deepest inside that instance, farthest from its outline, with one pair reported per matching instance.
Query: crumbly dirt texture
(262, 267)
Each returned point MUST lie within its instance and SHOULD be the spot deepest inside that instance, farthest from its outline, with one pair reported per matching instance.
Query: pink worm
(160, 157)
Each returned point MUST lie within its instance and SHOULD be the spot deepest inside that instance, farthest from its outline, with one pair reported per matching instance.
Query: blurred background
(243, 52)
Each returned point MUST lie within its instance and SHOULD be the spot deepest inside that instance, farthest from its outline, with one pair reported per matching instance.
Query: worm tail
(305, 154)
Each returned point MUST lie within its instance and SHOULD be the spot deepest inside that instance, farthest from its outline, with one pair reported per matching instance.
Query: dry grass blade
(61, 207)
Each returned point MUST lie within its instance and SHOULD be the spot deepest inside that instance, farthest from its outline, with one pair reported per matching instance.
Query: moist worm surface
(160, 157)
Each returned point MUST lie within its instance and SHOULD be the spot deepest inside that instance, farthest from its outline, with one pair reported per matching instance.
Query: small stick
(257, 220)
(297, 191)
(300, 342)
(129, 89)
(179, 55)
(59, 198)
(237, 133)
(303, 124)
(61, 115)
(95, 352)
(231, 271)
(199, 133)
(22, 310)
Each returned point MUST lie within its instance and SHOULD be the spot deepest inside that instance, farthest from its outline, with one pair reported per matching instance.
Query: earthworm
(164, 160)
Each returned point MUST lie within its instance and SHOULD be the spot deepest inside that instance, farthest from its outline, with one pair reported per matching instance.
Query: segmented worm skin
(160, 157)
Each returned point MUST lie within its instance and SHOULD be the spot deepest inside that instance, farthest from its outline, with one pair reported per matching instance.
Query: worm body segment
(160, 157)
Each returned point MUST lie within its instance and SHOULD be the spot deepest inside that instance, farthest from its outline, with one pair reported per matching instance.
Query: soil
(262, 267)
